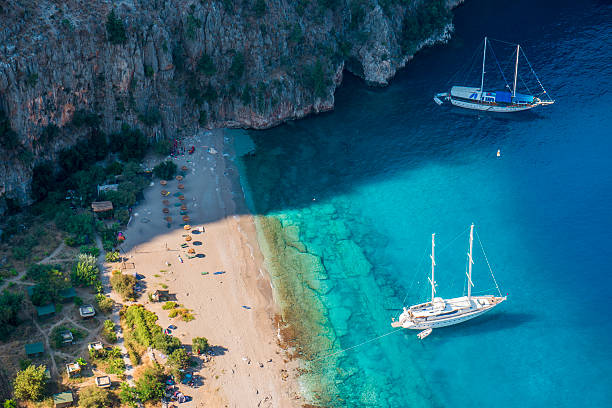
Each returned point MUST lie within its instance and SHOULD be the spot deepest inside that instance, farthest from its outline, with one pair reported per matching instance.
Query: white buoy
(498, 153)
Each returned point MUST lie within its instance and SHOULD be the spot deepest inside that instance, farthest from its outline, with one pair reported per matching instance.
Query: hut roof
(34, 348)
(68, 293)
(45, 310)
(63, 398)
(101, 206)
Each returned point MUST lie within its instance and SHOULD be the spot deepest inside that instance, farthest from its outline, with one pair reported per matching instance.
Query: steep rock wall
(189, 64)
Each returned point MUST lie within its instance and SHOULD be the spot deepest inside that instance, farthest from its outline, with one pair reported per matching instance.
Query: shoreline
(249, 368)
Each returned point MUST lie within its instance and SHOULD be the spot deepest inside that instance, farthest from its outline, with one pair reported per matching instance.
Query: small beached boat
(506, 100)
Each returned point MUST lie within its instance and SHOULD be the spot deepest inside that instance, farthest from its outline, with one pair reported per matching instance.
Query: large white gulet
(441, 312)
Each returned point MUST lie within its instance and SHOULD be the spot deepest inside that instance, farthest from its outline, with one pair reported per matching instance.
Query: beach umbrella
(181, 197)
(191, 251)
(169, 219)
(187, 227)
(179, 177)
(166, 210)
(183, 207)
(181, 186)
(166, 202)
(184, 168)
(188, 238)
(185, 218)
(163, 182)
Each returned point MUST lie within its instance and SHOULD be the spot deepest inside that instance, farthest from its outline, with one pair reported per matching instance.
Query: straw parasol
(166, 210)
(166, 202)
(179, 177)
(191, 251)
(181, 186)
(163, 182)
(188, 238)
(183, 207)
(181, 197)
(184, 168)
(169, 219)
(185, 218)
(187, 227)
(164, 192)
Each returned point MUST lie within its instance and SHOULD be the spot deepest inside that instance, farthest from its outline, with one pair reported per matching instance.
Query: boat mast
(515, 70)
(484, 58)
(470, 263)
(433, 264)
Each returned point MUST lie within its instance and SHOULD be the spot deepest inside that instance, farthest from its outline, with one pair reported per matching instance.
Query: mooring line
(358, 345)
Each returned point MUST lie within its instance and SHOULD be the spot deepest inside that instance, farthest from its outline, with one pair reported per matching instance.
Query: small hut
(46, 311)
(67, 294)
(102, 208)
(63, 399)
(87, 311)
(73, 369)
(95, 346)
(67, 337)
(34, 349)
(103, 382)
(160, 296)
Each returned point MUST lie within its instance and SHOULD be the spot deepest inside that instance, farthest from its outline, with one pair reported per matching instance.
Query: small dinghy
(424, 333)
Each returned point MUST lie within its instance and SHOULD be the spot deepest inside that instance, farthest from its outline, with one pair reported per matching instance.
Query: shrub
(108, 331)
(169, 305)
(94, 397)
(146, 332)
(150, 116)
(316, 80)
(49, 134)
(165, 170)
(162, 147)
(10, 306)
(424, 21)
(200, 345)
(85, 272)
(123, 284)
(236, 70)
(42, 180)
(150, 386)
(83, 117)
(78, 301)
(104, 303)
(8, 137)
(260, 8)
(20, 253)
(112, 256)
(29, 384)
(177, 361)
(206, 65)
(90, 250)
(9, 403)
(130, 143)
(127, 395)
(148, 71)
(115, 29)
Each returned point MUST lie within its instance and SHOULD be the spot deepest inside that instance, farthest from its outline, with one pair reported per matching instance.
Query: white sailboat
(478, 98)
(439, 312)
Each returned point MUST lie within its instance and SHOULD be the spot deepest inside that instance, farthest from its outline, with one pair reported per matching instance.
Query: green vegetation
(148, 71)
(129, 143)
(10, 306)
(115, 29)
(150, 386)
(83, 117)
(108, 331)
(104, 303)
(50, 280)
(193, 23)
(169, 305)
(260, 8)
(9, 403)
(427, 18)
(150, 116)
(110, 361)
(314, 78)
(94, 397)
(163, 147)
(200, 345)
(236, 70)
(48, 134)
(206, 65)
(90, 250)
(32, 78)
(56, 338)
(177, 362)
(85, 272)
(9, 140)
(165, 170)
(29, 385)
(112, 256)
(123, 284)
(141, 328)
(296, 35)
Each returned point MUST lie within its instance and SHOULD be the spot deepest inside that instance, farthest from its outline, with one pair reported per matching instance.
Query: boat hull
(489, 108)
(448, 322)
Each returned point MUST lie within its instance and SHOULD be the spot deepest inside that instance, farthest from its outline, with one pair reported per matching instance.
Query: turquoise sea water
(359, 191)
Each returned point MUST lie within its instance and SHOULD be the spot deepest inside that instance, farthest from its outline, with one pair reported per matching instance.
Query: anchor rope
(355, 346)
(488, 264)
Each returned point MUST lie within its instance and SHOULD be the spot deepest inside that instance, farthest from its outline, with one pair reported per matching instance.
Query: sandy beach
(233, 309)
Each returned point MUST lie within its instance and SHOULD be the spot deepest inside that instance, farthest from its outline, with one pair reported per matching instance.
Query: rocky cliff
(170, 66)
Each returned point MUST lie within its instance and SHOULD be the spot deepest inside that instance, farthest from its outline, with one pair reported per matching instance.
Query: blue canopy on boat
(522, 98)
(503, 96)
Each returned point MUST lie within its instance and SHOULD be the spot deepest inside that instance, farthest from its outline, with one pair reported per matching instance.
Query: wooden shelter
(103, 382)
(63, 399)
(45, 311)
(73, 369)
(87, 311)
(102, 206)
(34, 349)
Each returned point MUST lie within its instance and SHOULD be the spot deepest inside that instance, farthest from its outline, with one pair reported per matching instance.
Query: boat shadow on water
(488, 323)
(525, 116)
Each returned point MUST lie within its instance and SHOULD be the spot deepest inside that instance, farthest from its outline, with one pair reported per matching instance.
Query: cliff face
(169, 66)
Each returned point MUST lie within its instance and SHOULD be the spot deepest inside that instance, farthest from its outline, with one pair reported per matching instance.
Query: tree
(85, 272)
(260, 8)
(108, 331)
(9, 403)
(150, 386)
(177, 361)
(115, 29)
(200, 345)
(165, 170)
(29, 385)
(206, 65)
(236, 70)
(42, 180)
(105, 304)
(94, 397)
(123, 284)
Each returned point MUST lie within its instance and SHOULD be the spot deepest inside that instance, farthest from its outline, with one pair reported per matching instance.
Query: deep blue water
(368, 183)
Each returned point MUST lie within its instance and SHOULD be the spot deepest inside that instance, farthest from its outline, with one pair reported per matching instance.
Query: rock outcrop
(169, 66)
